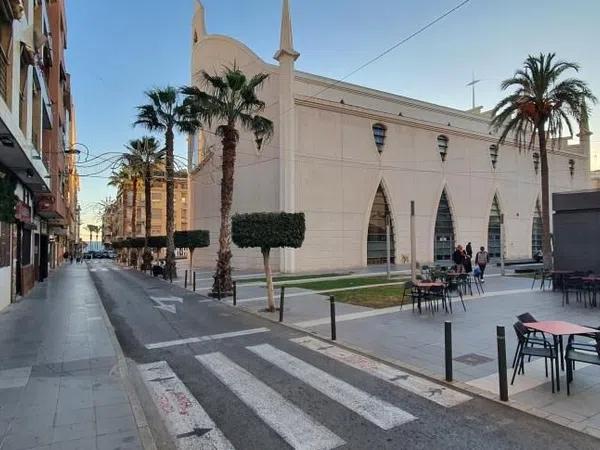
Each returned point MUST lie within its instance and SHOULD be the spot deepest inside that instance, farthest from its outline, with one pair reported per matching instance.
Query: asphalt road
(222, 378)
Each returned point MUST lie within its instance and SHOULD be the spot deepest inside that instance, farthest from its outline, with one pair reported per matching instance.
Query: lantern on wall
(494, 154)
(536, 162)
(442, 146)
(572, 167)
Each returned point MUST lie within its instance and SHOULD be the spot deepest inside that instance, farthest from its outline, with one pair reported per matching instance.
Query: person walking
(469, 250)
(467, 262)
(482, 259)
(459, 259)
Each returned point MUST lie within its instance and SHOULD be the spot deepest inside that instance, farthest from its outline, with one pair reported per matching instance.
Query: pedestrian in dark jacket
(469, 250)
(459, 259)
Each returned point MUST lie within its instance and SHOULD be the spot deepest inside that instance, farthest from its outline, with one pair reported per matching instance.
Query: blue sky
(117, 49)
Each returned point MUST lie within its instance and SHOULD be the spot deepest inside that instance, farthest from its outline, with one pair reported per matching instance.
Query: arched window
(442, 142)
(379, 130)
(376, 239)
(443, 244)
(537, 230)
(494, 230)
(494, 154)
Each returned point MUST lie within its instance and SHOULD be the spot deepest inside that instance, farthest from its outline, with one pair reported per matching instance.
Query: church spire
(286, 44)
(199, 26)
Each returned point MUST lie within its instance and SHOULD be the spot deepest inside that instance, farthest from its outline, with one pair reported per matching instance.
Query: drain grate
(473, 359)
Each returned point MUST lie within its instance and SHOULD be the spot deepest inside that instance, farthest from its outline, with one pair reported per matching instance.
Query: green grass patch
(524, 275)
(343, 283)
(377, 297)
(291, 278)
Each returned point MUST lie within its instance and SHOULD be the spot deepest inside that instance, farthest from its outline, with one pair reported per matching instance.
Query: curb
(146, 437)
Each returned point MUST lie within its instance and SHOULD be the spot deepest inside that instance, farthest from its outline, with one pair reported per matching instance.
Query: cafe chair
(584, 352)
(528, 345)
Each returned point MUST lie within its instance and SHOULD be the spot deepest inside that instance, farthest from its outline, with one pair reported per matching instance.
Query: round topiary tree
(267, 231)
(192, 240)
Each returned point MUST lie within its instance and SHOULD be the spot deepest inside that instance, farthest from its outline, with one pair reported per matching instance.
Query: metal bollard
(234, 293)
(194, 281)
(185, 280)
(332, 309)
(281, 297)
(502, 375)
(448, 347)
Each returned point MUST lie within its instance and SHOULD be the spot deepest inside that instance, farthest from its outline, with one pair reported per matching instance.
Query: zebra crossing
(192, 427)
(107, 268)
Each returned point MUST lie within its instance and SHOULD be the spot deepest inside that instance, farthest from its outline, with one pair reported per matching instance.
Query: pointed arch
(537, 229)
(376, 230)
(494, 244)
(444, 233)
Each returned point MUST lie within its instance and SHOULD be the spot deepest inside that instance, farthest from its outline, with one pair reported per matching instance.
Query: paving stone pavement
(59, 383)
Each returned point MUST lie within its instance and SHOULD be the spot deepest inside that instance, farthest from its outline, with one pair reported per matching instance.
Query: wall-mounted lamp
(536, 162)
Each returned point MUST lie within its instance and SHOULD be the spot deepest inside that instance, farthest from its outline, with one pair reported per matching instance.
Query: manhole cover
(473, 359)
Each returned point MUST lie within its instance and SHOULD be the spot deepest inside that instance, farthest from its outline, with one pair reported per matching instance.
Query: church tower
(287, 56)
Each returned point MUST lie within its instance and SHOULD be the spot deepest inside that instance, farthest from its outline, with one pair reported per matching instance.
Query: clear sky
(119, 48)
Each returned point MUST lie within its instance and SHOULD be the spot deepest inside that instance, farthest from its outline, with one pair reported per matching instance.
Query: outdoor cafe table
(558, 329)
(425, 286)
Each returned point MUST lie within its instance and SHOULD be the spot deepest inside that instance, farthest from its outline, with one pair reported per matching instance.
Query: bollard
(171, 274)
(448, 347)
(502, 375)
(332, 309)
(185, 280)
(194, 281)
(234, 293)
(281, 297)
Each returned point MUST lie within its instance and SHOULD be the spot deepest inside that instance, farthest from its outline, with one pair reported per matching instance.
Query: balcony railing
(4, 67)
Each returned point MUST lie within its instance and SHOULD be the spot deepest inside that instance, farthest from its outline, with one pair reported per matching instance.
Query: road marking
(379, 412)
(206, 301)
(417, 385)
(185, 419)
(14, 378)
(161, 303)
(212, 337)
(396, 309)
(296, 427)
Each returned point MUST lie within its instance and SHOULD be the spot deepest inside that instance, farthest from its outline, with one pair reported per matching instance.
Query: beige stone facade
(337, 144)
(117, 218)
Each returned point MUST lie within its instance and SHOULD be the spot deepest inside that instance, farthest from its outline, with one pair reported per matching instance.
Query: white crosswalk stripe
(419, 386)
(186, 421)
(377, 411)
(297, 428)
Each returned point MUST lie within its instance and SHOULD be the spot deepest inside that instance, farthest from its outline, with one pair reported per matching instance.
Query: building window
(572, 167)
(536, 230)
(157, 196)
(536, 162)
(6, 41)
(494, 230)
(442, 142)
(157, 213)
(379, 136)
(494, 154)
(377, 234)
(443, 244)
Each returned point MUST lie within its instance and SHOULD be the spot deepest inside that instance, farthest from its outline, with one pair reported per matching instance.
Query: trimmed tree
(267, 231)
(192, 240)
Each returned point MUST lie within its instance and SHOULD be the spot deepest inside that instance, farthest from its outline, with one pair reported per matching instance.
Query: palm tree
(91, 229)
(145, 154)
(167, 113)
(231, 99)
(121, 179)
(540, 106)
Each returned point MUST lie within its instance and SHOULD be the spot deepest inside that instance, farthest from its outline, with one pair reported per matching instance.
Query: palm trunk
(546, 242)
(133, 255)
(170, 257)
(270, 300)
(223, 282)
(147, 254)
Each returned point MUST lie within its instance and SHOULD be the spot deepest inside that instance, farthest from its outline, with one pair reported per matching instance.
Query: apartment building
(116, 222)
(38, 179)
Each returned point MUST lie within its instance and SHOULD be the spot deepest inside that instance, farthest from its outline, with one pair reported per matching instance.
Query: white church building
(347, 155)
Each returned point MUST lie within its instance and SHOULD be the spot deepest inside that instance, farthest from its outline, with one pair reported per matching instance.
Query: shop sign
(23, 212)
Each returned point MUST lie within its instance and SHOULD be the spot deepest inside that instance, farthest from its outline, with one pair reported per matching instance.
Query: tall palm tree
(145, 154)
(540, 106)
(167, 113)
(230, 99)
(121, 179)
(91, 229)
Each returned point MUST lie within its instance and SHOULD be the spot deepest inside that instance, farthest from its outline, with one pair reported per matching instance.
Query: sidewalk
(60, 383)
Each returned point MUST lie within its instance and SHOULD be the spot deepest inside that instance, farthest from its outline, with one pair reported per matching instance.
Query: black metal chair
(452, 286)
(545, 276)
(526, 318)
(585, 352)
(574, 285)
(530, 346)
